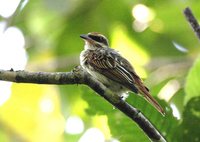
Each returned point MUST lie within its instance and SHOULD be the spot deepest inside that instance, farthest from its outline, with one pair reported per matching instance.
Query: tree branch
(192, 21)
(79, 76)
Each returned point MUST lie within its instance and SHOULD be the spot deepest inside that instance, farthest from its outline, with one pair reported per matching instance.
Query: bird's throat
(89, 46)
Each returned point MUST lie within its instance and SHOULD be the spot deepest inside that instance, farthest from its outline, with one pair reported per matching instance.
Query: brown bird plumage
(110, 68)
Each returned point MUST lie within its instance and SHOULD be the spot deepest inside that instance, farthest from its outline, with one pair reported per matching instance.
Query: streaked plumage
(110, 68)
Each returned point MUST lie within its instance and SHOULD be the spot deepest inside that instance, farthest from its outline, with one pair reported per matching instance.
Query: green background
(51, 30)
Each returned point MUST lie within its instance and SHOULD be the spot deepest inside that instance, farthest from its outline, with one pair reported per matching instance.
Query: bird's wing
(115, 67)
(112, 65)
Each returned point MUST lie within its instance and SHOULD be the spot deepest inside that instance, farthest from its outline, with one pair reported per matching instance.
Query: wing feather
(110, 64)
(113, 66)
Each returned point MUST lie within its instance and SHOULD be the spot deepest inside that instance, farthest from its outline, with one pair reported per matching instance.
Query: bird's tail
(153, 102)
(144, 91)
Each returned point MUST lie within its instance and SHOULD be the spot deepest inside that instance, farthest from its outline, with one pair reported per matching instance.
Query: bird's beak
(84, 36)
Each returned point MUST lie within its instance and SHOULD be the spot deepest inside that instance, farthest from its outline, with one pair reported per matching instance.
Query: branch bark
(79, 76)
(192, 21)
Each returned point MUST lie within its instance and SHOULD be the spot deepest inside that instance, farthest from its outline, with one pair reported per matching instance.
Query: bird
(111, 69)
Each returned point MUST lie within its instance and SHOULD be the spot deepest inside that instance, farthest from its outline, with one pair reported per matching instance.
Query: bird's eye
(96, 38)
(99, 39)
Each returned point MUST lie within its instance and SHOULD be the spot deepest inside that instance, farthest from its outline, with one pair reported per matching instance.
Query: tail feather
(144, 91)
(153, 102)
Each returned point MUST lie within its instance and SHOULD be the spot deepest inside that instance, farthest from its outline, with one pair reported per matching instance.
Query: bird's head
(94, 40)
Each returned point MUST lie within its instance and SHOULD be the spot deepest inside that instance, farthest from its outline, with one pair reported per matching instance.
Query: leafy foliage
(191, 119)
(52, 29)
(192, 88)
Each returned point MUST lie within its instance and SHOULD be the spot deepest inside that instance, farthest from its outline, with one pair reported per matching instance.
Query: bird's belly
(112, 85)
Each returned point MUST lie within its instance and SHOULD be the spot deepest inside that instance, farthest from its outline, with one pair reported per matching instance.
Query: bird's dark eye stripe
(98, 39)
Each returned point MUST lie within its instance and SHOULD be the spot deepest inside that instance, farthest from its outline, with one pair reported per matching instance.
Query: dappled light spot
(169, 90)
(175, 111)
(143, 15)
(8, 7)
(74, 125)
(114, 140)
(196, 139)
(46, 105)
(12, 52)
(92, 135)
(5, 92)
(12, 55)
(139, 27)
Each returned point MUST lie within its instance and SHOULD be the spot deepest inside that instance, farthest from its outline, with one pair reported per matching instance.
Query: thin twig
(192, 21)
(79, 76)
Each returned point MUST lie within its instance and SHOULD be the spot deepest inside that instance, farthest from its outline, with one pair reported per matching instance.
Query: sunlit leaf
(192, 88)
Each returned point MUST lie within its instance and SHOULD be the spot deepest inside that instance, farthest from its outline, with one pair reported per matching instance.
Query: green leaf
(189, 128)
(192, 86)
(122, 127)
(96, 104)
(125, 130)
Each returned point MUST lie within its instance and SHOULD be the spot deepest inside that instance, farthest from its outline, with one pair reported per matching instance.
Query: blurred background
(43, 35)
